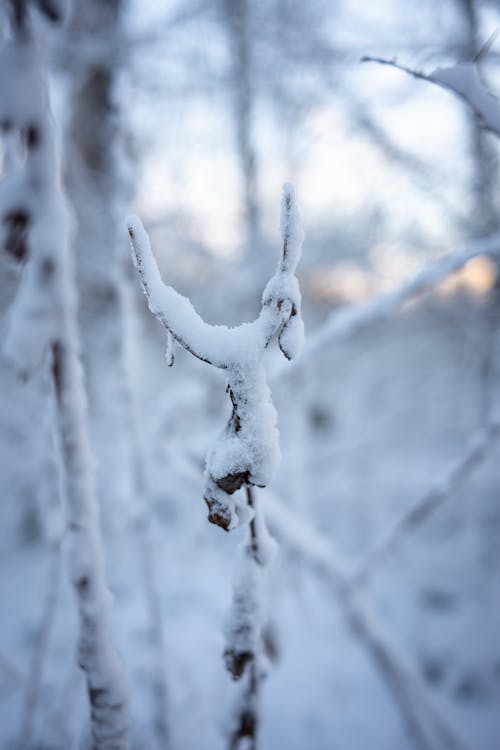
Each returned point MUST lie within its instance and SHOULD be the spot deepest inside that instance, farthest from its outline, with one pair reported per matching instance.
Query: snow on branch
(43, 324)
(425, 722)
(463, 80)
(247, 451)
(30, 204)
(244, 654)
(348, 321)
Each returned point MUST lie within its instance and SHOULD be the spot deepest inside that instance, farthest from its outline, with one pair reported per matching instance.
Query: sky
(189, 164)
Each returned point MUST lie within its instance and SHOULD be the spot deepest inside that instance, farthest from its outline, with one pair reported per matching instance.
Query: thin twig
(425, 723)
(395, 64)
(246, 661)
(434, 498)
(486, 46)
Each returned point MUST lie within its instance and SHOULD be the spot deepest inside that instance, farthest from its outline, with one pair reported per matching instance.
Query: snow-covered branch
(174, 311)
(434, 498)
(244, 654)
(350, 320)
(464, 81)
(428, 726)
(43, 325)
(247, 451)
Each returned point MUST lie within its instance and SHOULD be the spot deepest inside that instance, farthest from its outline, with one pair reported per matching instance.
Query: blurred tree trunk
(237, 20)
(485, 172)
(97, 191)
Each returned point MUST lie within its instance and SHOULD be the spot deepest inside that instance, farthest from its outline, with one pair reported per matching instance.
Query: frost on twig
(462, 79)
(244, 654)
(43, 325)
(247, 451)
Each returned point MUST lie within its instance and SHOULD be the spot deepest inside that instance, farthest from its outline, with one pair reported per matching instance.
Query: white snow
(464, 80)
(247, 451)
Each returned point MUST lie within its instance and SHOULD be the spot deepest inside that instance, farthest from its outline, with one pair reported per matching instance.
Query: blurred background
(193, 114)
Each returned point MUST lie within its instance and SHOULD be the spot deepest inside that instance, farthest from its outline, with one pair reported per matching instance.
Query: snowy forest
(249, 375)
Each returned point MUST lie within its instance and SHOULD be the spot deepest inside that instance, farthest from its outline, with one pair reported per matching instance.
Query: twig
(244, 654)
(246, 454)
(433, 499)
(395, 64)
(486, 46)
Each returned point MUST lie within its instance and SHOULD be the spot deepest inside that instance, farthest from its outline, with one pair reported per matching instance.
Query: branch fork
(247, 451)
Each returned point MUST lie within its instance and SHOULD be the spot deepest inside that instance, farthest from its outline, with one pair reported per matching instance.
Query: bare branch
(395, 64)
(483, 52)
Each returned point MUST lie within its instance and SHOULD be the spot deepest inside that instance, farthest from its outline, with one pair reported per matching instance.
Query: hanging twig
(434, 498)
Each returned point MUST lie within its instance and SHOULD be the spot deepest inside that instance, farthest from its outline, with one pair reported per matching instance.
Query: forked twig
(247, 451)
